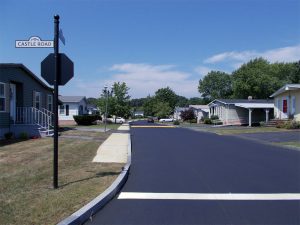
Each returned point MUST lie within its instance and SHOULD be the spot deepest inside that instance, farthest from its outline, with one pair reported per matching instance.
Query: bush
(217, 122)
(193, 121)
(23, 135)
(293, 124)
(8, 135)
(207, 121)
(214, 117)
(187, 115)
(86, 119)
(176, 122)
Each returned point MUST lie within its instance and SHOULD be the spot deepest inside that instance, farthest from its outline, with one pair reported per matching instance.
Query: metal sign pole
(55, 108)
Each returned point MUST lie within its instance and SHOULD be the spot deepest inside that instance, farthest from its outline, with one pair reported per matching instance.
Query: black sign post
(55, 108)
(57, 69)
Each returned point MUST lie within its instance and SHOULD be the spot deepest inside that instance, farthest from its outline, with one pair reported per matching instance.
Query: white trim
(210, 196)
(50, 102)
(293, 105)
(3, 96)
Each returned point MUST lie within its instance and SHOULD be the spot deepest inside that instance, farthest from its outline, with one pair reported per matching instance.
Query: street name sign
(34, 42)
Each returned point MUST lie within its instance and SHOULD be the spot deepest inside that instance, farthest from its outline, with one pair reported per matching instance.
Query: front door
(13, 101)
(284, 109)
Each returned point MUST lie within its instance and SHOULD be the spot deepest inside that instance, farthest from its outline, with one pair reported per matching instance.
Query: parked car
(166, 120)
(116, 120)
(120, 120)
(150, 120)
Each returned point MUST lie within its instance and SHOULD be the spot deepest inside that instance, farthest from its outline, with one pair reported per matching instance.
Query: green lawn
(232, 129)
(108, 126)
(26, 192)
(290, 144)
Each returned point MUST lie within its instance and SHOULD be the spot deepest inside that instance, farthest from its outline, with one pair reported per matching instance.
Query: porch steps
(274, 122)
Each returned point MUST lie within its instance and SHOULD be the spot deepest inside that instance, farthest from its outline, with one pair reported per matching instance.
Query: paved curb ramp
(117, 148)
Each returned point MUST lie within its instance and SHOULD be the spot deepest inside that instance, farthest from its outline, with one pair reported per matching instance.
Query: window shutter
(7, 97)
(33, 99)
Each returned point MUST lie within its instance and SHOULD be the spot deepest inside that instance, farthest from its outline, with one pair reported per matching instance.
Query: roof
(26, 70)
(287, 87)
(180, 109)
(255, 105)
(245, 103)
(71, 98)
(240, 101)
(204, 108)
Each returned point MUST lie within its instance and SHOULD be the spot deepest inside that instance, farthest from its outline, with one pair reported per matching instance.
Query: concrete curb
(87, 211)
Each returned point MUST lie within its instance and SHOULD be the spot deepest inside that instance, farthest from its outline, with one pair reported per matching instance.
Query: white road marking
(209, 196)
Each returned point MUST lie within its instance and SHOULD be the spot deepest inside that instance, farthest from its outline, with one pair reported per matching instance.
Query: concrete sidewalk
(115, 148)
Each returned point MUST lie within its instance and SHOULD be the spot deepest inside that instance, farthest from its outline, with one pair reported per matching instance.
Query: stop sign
(65, 68)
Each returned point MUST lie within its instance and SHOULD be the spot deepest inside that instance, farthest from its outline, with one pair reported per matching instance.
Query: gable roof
(241, 101)
(245, 103)
(287, 87)
(73, 99)
(26, 70)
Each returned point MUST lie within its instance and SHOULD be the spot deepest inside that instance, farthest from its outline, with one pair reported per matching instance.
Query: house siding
(278, 110)
(25, 84)
(28, 85)
(73, 110)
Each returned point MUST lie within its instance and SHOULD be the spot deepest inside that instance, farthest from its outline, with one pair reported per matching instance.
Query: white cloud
(203, 70)
(142, 79)
(235, 58)
(145, 79)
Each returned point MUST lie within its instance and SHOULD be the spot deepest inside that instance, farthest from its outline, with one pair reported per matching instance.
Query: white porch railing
(34, 116)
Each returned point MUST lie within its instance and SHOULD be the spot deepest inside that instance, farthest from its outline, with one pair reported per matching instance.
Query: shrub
(176, 122)
(187, 115)
(23, 135)
(207, 121)
(217, 122)
(8, 135)
(193, 121)
(86, 119)
(214, 117)
(292, 124)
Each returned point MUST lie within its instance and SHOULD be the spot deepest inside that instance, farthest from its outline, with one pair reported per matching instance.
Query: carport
(251, 106)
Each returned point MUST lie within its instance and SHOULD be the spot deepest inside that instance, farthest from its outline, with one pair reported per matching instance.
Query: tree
(162, 109)
(255, 79)
(92, 101)
(149, 105)
(122, 99)
(187, 115)
(166, 95)
(118, 100)
(181, 101)
(215, 84)
(198, 101)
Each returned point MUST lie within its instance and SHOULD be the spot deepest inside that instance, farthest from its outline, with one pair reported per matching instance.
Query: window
(2, 97)
(37, 100)
(50, 102)
(67, 110)
(61, 109)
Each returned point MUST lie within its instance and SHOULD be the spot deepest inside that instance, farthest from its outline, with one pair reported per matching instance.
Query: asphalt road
(175, 160)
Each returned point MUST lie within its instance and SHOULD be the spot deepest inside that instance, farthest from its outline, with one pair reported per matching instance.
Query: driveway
(274, 136)
(180, 176)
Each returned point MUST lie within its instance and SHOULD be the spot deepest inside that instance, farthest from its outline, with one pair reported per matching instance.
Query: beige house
(241, 111)
(287, 102)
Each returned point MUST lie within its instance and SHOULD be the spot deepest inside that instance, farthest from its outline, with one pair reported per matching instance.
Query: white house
(177, 112)
(241, 111)
(71, 106)
(287, 102)
(200, 111)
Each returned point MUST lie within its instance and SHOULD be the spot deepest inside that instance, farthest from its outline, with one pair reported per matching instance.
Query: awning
(255, 105)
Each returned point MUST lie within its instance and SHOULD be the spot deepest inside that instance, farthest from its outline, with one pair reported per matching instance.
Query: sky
(151, 44)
